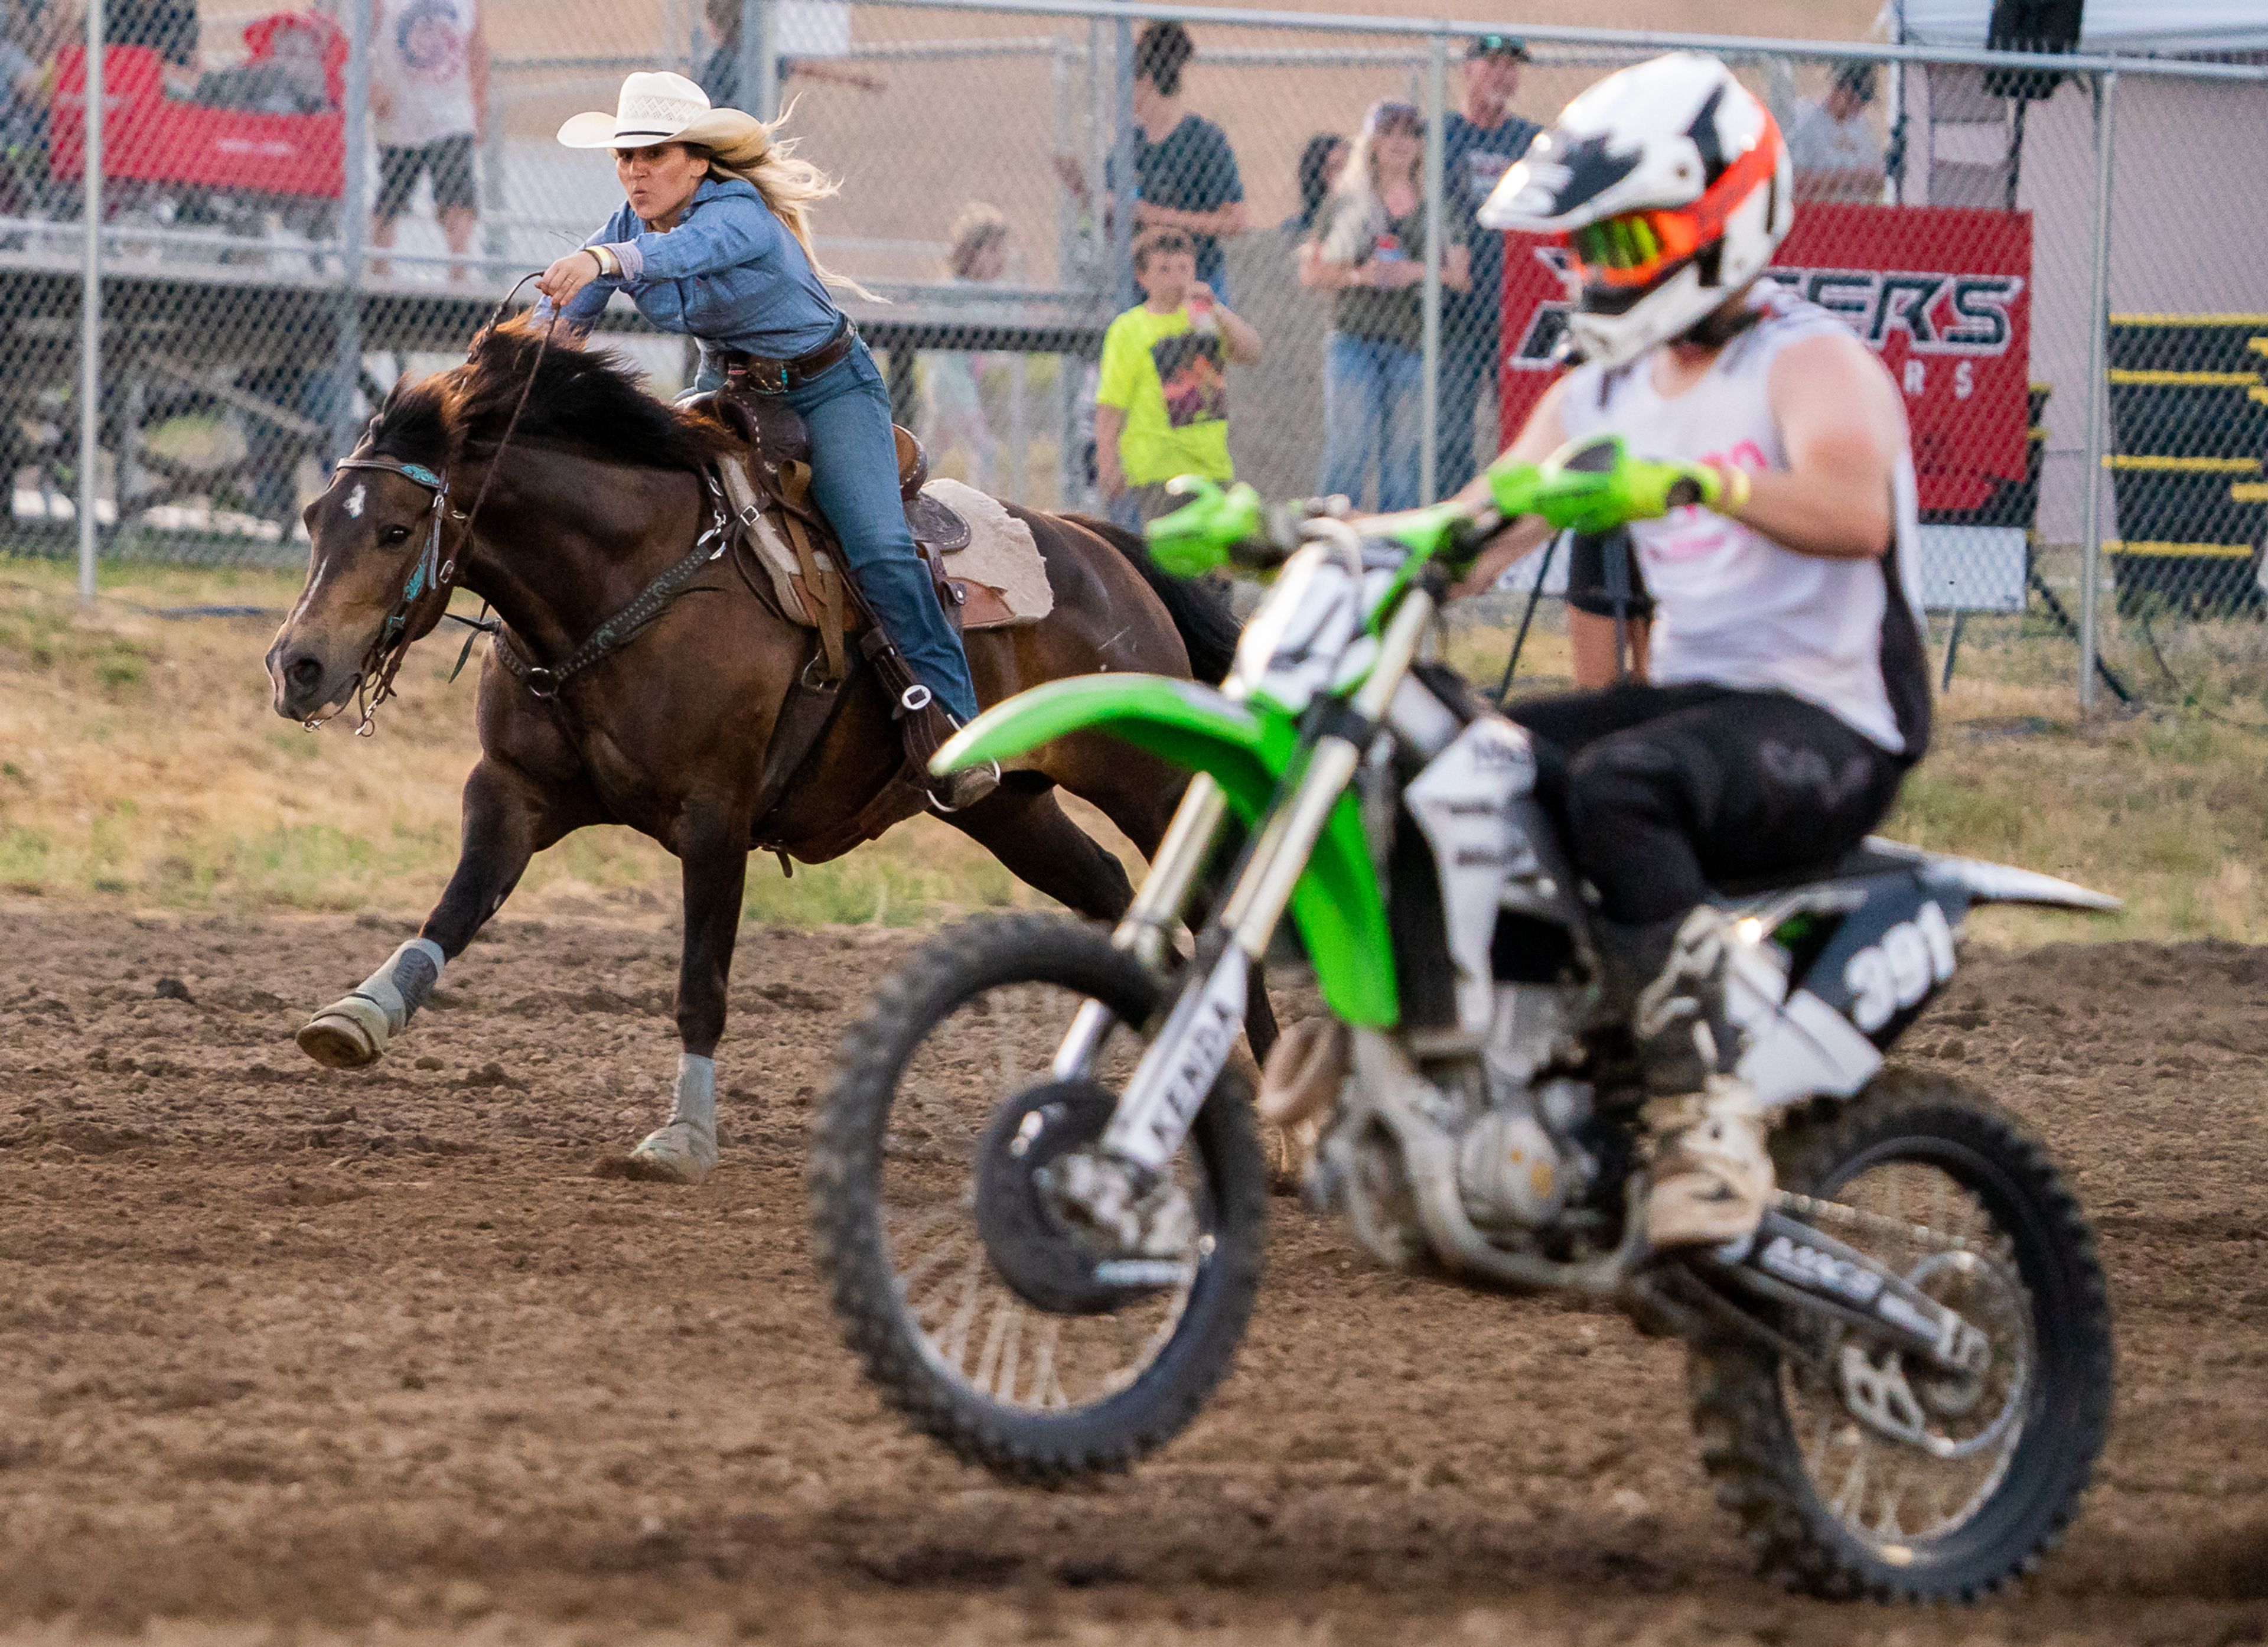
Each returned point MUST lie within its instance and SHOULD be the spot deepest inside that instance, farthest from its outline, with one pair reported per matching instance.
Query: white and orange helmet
(1670, 187)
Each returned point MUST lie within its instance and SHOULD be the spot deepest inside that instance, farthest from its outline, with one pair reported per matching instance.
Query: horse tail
(1198, 606)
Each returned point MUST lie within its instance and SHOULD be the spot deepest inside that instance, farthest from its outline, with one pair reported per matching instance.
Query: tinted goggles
(1639, 247)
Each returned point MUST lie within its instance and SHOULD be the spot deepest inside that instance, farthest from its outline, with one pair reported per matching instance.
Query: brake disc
(1047, 1260)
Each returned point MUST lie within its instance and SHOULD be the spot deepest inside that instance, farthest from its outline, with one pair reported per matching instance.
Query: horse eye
(395, 535)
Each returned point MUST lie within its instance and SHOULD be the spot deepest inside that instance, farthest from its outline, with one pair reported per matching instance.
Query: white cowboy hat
(658, 107)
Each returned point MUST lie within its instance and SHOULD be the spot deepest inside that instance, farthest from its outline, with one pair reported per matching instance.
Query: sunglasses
(1402, 117)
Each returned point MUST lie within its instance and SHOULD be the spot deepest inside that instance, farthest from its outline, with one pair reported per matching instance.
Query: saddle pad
(1005, 582)
(1001, 556)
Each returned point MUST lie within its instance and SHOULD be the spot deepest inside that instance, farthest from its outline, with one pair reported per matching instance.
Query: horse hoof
(349, 1034)
(678, 1153)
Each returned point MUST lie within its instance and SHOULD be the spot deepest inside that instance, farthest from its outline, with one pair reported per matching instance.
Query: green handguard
(1513, 486)
(1197, 537)
(1595, 499)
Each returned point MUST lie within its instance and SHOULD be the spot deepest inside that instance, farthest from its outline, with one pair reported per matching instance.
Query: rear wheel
(1866, 1470)
(976, 1313)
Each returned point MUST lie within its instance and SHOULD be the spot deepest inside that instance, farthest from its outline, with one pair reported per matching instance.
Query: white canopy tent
(2187, 151)
(2171, 26)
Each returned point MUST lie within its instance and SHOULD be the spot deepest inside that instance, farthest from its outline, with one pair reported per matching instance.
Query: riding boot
(1712, 1171)
(925, 725)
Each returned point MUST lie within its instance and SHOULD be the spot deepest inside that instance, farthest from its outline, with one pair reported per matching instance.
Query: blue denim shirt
(729, 275)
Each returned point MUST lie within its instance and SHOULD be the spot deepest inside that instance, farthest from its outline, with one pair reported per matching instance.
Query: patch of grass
(214, 803)
(25, 854)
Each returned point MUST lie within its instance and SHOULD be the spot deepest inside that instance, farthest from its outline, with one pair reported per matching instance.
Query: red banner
(1942, 294)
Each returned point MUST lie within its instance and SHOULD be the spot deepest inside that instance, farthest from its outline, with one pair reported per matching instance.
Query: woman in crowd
(1322, 162)
(1367, 249)
(953, 403)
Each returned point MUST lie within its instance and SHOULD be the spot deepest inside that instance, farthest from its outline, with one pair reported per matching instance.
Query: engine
(1520, 1166)
(1518, 1163)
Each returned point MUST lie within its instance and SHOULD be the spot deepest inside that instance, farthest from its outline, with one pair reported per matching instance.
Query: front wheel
(1863, 1471)
(943, 1086)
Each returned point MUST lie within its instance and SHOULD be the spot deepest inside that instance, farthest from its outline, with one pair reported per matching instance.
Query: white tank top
(1734, 608)
(422, 63)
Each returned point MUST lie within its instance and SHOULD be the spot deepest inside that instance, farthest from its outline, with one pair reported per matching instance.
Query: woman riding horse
(713, 241)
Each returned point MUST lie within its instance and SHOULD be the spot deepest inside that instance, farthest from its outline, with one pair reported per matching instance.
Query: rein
(543, 683)
(432, 578)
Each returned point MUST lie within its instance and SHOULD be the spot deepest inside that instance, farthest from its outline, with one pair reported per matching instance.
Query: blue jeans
(1467, 368)
(854, 481)
(1369, 408)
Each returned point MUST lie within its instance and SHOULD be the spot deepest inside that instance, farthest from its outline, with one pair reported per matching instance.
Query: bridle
(424, 598)
(429, 574)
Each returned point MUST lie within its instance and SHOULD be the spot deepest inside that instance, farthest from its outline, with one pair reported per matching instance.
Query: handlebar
(1590, 486)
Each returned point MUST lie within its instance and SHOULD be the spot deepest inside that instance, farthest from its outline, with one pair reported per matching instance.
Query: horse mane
(585, 400)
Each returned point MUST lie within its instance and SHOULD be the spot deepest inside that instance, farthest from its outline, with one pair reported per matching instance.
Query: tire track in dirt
(288, 1347)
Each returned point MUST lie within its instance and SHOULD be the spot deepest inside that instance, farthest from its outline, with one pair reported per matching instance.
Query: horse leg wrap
(354, 1030)
(695, 1102)
(405, 983)
(685, 1150)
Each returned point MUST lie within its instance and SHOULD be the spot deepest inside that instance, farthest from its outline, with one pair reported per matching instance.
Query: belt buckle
(780, 368)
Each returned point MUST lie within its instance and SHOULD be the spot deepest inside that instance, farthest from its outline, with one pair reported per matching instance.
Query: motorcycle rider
(1789, 692)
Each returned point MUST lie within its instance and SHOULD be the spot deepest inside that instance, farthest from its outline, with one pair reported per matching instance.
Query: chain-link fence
(298, 207)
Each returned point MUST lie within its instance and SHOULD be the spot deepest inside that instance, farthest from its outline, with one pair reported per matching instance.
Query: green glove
(1197, 537)
(1595, 485)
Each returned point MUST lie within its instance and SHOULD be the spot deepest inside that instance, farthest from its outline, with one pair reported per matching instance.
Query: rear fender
(1336, 906)
(1982, 882)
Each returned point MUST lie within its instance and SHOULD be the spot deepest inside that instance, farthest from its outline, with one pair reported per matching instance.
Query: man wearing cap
(1836, 153)
(1480, 141)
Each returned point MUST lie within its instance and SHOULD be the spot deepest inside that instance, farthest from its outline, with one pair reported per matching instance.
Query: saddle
(780, 528)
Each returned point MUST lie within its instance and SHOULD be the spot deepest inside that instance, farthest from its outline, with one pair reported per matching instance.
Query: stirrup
(958, 791)
(929, 725)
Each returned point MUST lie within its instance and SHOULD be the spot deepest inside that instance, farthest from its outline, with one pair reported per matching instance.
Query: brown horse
(583, 488)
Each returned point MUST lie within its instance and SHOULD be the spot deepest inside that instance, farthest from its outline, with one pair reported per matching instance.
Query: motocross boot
(1713, 1172)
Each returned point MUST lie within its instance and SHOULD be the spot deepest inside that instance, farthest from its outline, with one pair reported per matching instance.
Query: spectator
(1162, 403)
(720, 77)
(1320, 164)
(168, 27)
(26, 43)
(429, 94)
(1832, 143)
(1480, 141)
(1185, 175)
(952, 402)
(1368, 249)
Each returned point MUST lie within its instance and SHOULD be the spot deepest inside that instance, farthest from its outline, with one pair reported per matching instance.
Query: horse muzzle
(305, 680)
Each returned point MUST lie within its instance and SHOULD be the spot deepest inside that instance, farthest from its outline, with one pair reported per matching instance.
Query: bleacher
(2189, 423)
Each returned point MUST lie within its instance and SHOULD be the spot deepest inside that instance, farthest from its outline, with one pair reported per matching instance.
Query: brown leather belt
(778, 377)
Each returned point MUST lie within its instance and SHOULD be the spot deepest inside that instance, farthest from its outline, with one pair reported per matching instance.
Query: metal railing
(259, 324)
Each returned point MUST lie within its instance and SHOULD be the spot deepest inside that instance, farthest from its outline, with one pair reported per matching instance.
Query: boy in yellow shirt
(1161, 401)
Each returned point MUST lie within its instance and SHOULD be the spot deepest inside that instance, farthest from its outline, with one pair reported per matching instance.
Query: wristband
(608, 265)
(1737, 487)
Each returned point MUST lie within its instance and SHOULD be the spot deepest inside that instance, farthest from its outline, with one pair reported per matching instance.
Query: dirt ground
(299, 1356)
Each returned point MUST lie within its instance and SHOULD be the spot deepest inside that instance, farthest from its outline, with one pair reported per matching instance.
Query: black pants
(1666, 790)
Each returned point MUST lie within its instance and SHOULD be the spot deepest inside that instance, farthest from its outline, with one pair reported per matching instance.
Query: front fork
(1170, 1085)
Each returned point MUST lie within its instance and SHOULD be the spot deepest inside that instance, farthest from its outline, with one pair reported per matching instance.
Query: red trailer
(149, 134)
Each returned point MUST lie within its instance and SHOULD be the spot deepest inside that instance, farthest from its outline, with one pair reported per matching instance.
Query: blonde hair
(1357, 225)
(789, 184)
(978, 226)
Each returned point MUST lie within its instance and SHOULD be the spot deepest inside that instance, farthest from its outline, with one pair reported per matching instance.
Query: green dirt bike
(1039, 1198)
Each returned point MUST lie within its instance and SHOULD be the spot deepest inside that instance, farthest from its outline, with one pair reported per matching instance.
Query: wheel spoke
(1924, 1225)
(986, 1338)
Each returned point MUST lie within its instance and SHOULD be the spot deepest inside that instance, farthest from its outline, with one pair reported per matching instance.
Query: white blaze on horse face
(354, 501)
